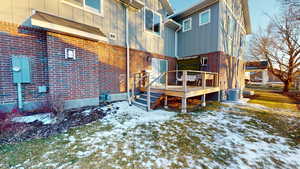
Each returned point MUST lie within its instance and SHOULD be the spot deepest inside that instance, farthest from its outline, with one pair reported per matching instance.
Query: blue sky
(258, 10)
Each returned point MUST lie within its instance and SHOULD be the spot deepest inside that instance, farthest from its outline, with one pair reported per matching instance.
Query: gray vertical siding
(201, 39)
(169, 45)
(113, 21)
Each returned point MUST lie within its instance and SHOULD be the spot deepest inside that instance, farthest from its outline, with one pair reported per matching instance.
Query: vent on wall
(70, 53)
(112, 36)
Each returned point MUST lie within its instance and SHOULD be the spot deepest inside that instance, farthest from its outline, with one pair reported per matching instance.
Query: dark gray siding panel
(169, 42)
(201, 39)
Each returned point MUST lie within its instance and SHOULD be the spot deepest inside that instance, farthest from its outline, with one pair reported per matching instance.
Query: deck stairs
(140, 100)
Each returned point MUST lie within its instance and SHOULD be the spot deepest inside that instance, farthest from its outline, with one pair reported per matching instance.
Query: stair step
(141, 101)
(140, 105)
(144, 97)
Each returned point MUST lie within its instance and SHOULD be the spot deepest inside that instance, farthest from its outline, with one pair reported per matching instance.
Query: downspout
(127, 55)
(176, 49)
(176, 41)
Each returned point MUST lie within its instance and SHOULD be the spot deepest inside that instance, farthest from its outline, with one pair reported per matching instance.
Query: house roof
(168, 6)
(59, 24)
(206, 3)
(254, 65)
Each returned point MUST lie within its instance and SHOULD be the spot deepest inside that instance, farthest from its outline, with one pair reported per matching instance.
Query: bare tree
(279, 45)
(293, 6)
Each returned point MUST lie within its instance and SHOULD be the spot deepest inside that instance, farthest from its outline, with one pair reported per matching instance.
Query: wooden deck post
(184, 98)
(219, 96)
(203, 80)
(216, 79)
(148, 99)
(133, 88)
(166, 83)
(148, 94)
(183, 105)
(184, 81)
(203, 101)
(166, 102)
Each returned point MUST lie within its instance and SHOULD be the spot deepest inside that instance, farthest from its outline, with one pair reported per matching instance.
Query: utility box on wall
(21, 68)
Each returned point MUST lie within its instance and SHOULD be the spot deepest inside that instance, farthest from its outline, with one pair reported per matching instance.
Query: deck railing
(184, 78)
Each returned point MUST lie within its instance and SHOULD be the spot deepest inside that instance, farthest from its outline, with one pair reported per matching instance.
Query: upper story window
(152, 21)
(94, 6)
(187, 25)
(204, 17)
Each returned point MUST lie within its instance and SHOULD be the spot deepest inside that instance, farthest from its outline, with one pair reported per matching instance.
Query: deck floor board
(179, 91)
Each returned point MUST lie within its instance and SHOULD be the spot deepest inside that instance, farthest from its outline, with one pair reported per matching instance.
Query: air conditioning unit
(70, 53)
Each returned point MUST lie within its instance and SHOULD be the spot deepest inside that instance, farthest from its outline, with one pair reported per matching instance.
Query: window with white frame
(204, 61)
(187, 25)
(204, 17)
(152, 21)
(91, 5)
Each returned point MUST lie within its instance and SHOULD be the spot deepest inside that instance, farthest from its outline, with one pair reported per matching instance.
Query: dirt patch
(12, 132)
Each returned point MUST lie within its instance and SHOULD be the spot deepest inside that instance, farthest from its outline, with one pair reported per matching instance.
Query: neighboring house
(258, 73)
(213, 39)
(80, 49)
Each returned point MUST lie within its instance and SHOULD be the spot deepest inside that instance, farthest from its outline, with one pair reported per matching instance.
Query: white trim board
(64, 29)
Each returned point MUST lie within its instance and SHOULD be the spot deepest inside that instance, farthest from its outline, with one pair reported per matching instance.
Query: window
(204, 17)
(93, 5)
(90, 5)
(204, 61)
(187, 25)
(152, 21)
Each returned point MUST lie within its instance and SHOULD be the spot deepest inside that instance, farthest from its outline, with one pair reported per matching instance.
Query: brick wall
(98, 68)
(22, 41)
(73, 79)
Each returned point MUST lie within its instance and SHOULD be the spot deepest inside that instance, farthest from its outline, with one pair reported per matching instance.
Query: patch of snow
(45, 118)
(134, 116)
(131, 137)
(87, 112)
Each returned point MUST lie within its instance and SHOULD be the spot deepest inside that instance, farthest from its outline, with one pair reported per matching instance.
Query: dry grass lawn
(274, 100)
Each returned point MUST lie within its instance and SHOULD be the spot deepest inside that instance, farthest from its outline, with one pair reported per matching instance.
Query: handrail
(185, 72)
(139, 80)
(195, 71)
(160, 76)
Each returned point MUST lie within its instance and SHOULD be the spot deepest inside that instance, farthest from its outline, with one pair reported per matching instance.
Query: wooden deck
(179, 91)
(193, 83)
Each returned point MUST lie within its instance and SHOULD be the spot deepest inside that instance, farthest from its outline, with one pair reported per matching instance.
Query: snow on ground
(45, 118)
(133, 138)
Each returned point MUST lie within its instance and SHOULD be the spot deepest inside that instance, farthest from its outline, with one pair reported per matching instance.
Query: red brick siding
(99, 67)
(75, 79)
(15, 40)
